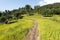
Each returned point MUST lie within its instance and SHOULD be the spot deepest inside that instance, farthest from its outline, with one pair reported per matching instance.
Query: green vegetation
(46, 11)
(48, 29)
(15, 31)
(15, 24)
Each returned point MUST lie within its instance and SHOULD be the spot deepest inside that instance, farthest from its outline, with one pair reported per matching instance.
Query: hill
(15, 24)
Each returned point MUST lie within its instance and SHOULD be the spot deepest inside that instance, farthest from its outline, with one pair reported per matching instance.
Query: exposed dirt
(33, 32)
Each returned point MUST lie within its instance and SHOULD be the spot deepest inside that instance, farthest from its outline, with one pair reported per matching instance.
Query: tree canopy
(46, 11)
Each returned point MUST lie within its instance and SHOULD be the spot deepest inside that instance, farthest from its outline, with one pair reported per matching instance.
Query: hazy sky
(14, 4)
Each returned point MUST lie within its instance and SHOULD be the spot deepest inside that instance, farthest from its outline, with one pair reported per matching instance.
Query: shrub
(2, 19)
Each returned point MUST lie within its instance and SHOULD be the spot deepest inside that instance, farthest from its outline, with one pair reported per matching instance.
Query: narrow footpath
(33, 32)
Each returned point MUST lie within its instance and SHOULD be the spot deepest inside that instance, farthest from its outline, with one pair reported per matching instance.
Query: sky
(15, 4)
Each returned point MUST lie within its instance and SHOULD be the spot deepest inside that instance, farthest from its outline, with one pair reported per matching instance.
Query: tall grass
(15, 31)
(48, 29)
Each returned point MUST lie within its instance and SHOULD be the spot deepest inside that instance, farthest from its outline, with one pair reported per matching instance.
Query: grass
(48, 29)
(15, 31)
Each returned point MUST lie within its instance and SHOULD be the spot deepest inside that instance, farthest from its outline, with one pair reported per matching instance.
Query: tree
(28, 9)
(19, 16)
(0, 14)
(37, 8)
(48, 13)
(2, 19)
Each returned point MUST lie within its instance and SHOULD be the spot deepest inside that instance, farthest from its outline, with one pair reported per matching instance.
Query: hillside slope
(15, 31)
(48, 29)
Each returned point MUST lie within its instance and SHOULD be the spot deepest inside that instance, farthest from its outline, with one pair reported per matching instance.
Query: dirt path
(33, 32)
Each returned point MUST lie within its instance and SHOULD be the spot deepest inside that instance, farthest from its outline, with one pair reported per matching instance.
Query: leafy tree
(2, 19)
(37, 8)
(0, 14)
(48, 13)
(28, 9)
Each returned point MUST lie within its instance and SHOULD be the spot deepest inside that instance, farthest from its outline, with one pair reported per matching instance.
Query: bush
(48, 13)
(2, 19)
(21, 17)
